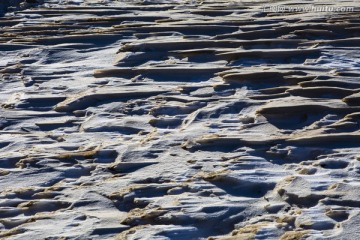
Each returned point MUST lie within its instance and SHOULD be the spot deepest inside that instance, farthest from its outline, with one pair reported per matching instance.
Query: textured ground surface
(179, 120)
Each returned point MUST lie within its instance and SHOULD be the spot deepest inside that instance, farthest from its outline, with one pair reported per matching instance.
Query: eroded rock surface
(179, 120)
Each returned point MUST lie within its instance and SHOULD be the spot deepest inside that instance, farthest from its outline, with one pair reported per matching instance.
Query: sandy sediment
(179, 120)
